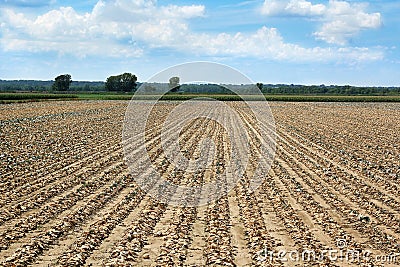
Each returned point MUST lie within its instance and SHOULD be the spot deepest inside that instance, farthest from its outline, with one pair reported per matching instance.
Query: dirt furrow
(43, 241)
(59, 158)
(382, 188)
(350, 215)
(347, 190)
(136, 235)
(35, 200)
(87, 241)
(12, 233)
(178, 238)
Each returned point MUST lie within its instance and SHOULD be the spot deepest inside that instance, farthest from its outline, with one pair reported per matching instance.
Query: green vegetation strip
(33, 96)
(327, 98)
(105, 96)
(26, 97)
(220, 97)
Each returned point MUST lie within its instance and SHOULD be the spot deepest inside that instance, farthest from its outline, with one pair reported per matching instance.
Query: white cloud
(112, 27)
(292, 7)
(340, 20)
(62, 30)
(173, 11)
(273, 7)
(268, 43)
(305, 8)
(129, 28)
(344, 20)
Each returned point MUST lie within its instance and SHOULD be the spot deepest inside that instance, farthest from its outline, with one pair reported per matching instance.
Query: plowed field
(67, 197)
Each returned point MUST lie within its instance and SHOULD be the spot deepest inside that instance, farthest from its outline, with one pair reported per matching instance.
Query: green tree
(128, 82)
(62, 82)
(174, 84)
(260, 86)
(124, 82)
(112, 83)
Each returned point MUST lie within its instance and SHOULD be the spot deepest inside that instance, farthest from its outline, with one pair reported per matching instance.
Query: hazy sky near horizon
(272, 41)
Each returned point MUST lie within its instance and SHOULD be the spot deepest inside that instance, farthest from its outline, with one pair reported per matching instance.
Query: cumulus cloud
(268, 43)
(344, 20)
(113, 27)
(63, 30)
(340, 20)
(292, 7)
(130, 28)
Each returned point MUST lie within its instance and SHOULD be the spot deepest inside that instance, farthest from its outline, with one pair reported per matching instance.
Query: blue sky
(271, 41)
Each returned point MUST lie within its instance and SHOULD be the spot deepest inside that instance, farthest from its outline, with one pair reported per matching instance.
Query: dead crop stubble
(68, 199)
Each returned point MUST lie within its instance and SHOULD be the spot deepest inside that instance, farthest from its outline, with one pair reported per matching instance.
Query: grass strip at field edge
(6, 98)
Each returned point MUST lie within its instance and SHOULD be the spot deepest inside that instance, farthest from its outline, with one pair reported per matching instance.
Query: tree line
(127, 82)
(327, 90)
(46, 86)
